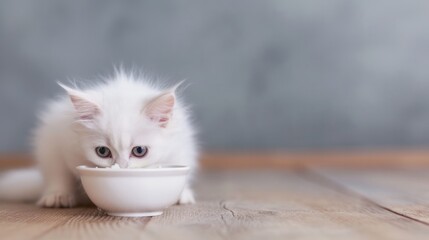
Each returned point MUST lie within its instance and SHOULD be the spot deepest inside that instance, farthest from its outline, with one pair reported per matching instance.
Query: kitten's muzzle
(123, 163)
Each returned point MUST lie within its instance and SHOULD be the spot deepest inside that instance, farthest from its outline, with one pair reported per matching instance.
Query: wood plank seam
(312, 175)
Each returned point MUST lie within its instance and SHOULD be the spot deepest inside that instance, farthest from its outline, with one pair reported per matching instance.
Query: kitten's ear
(85, 108)
(160, 109)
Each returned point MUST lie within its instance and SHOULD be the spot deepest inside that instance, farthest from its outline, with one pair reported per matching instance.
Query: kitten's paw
(57, 200)
(187, 197)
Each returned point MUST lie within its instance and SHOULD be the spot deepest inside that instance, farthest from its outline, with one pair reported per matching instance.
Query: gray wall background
(272, 74)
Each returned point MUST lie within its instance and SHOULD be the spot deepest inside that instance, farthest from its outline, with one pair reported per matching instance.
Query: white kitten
(124, 121)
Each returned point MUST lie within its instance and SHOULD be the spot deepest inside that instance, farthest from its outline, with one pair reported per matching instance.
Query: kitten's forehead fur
(119, 119)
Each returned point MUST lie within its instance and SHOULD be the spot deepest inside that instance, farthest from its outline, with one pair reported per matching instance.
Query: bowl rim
(170, 169)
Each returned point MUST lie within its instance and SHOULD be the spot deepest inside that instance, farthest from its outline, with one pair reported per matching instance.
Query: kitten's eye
(103, 152)
(139, 151)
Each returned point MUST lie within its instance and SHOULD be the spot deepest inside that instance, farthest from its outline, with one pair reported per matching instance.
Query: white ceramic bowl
(134, 192)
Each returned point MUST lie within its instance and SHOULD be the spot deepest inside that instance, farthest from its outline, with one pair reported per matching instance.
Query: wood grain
(277, 205)
(404, 191)
(93, 224)
(264, 204)
(25, 221)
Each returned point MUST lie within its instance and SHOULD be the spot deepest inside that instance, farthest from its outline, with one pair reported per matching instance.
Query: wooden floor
(286, 204)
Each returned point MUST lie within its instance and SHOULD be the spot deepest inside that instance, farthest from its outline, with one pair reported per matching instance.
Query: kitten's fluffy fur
(121, 113)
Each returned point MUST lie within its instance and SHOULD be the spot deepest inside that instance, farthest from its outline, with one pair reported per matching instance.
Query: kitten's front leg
(60, 189)
(57, 199)
(187, 197)
(57, 196)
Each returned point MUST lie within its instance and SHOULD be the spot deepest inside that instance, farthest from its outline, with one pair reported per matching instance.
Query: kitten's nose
(122, 163)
